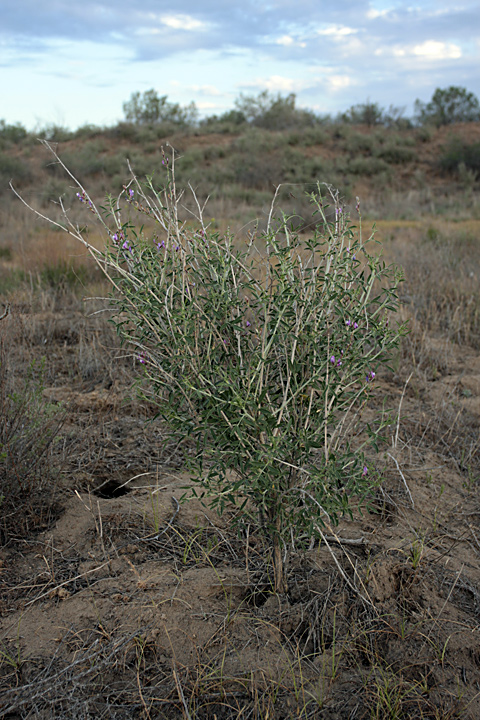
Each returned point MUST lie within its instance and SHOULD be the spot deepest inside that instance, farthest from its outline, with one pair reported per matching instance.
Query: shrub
(396, 154)
(264, 354)
(360, 142)
(367, 113)
(458, 152)
(366, 166)
(12, 133)
(273, 112)
(148, 108)
(12, 168)
(449, 105)
(55, 133)
(87, 158)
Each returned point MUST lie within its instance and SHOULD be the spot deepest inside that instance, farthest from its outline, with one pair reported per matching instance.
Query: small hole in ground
(259, 596)
(111, 489)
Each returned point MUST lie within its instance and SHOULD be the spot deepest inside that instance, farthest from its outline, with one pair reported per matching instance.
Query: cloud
(373, 13)
(183, 22)
(289, 41)
(339, 82)
(435, 50)
(428, 50)
(338, 32)
(205, 89)
(275, 83)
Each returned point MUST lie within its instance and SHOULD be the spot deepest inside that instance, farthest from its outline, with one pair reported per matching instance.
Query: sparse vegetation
(29, 428)
(119, 602)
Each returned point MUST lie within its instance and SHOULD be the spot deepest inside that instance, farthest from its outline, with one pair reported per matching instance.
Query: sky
(75, 63)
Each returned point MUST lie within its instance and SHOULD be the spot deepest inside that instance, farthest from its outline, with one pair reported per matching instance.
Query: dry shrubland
(116, 600)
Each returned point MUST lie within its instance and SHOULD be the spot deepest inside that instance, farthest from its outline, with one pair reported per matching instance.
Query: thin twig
(399, 410)
(403, 478)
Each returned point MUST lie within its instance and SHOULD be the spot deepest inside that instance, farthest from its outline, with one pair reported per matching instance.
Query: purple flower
(142, 358)
(131, 192)
(365, 471)
(370, 376)
(332, 359)
(355, 325)
(248, 323)
(348, 322)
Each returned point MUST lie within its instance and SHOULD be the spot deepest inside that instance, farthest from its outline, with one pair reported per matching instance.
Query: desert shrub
(51, 190)
(29, 426)
(341, 131)
(123, 131)
(12, 134)
(424, 133)
(55, 133)
(318, 168)
(396, 154)
(258, 140)
(366, 166)
(360, 142)
(88, 158)
(257, 170)
(88, 131)
(315, 135)
(264, 354)
(448, 105)
(213, 152)
(227, 123)
(115, 165)
(367, 113)
(273, 111)
(13, 168)
(149, 108)
(458, 152)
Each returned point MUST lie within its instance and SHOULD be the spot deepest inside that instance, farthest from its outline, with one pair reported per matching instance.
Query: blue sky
(75, 63)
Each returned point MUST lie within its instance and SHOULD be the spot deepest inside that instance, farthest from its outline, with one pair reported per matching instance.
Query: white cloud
(182, 22)
(428, 50)
(337, 31)
(373, 14)
(276, 83)
(205, 89)
(285, 40)
(206, 106)
(339, 82)
(435, 50)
